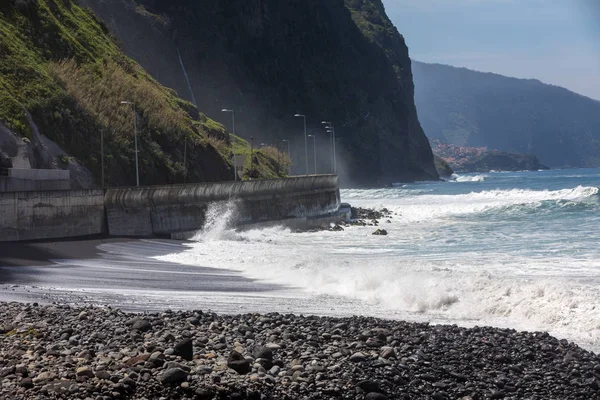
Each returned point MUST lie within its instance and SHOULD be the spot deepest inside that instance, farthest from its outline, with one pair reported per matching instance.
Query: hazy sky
(555, 41)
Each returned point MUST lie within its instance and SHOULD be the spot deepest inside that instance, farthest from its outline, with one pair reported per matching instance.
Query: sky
(555, 41)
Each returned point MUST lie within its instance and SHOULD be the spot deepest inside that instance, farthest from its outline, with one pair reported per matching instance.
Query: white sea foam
(219, 218)
(426, 207)
(432, 266)
(469, 178)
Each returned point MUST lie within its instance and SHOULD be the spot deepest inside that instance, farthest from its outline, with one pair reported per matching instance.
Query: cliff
(501, 161)
(444, 169)
(270, 59)
(62, 80)
(470, 108)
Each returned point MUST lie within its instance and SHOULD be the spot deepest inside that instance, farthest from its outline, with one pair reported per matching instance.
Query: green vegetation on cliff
(59, 62)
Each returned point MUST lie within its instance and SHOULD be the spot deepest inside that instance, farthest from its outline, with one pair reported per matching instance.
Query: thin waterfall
(187, 78)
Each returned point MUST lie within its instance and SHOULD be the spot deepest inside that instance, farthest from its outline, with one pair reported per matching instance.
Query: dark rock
(140, 324)
(204, 394)
(380, 232)
(173, 364)
(458, 377)
(357, 357)
(265, 363)
(102, 375)
(238, 363)
(375, 396)
(263, 352)
(173, 375)
(369, 386)
(185, 349)
(388, 352)
(496, 394)
(27, 383)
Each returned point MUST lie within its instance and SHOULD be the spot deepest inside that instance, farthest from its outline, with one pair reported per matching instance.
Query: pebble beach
(61, 352)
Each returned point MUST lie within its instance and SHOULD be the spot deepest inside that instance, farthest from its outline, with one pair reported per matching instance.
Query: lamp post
(331, 130)
(305, 142)
(232, 142)
(137, 166)
(314, 150)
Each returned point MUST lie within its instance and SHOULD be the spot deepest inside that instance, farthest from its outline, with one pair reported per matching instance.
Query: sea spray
(220, 216)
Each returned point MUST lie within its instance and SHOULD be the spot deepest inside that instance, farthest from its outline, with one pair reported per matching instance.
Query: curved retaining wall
(51, 214)
(161, 210)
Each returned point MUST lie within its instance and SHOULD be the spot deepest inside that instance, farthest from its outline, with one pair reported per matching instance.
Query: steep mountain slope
(465, 107)
(62, 81)
(271, 59)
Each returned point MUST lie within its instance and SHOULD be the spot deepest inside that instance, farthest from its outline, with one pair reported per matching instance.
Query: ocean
(517, 250)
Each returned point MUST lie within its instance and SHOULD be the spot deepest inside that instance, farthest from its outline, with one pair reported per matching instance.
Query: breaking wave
(469, 178)
(219, 218)
(434, 265)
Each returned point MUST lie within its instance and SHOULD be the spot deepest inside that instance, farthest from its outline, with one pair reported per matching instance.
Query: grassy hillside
(59, 62)
(469, 108)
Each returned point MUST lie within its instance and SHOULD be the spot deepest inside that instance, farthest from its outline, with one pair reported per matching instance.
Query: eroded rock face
(331, 60)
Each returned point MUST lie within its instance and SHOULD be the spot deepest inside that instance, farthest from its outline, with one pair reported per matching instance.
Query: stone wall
(181, 208)
(163, 210)
(51, 214)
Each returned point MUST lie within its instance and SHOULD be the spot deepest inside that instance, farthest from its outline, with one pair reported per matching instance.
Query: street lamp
(232, 142)
(331, 130)
(137, 167)
(305, 142)
(314, 150)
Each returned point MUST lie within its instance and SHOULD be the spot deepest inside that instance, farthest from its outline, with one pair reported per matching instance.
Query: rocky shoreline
(60, 352)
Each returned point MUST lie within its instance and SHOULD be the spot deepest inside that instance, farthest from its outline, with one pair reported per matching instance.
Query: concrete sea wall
(165, 210)
(182, 208)
(51, 214)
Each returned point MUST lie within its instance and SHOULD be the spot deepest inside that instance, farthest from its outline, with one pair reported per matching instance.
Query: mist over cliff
(342, 62)
(470, 108)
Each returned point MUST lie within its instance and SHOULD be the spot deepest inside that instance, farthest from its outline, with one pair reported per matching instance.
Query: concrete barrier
(51, 214)
(21, 185)
(302, 203)
(39, 174)
(165, 210)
